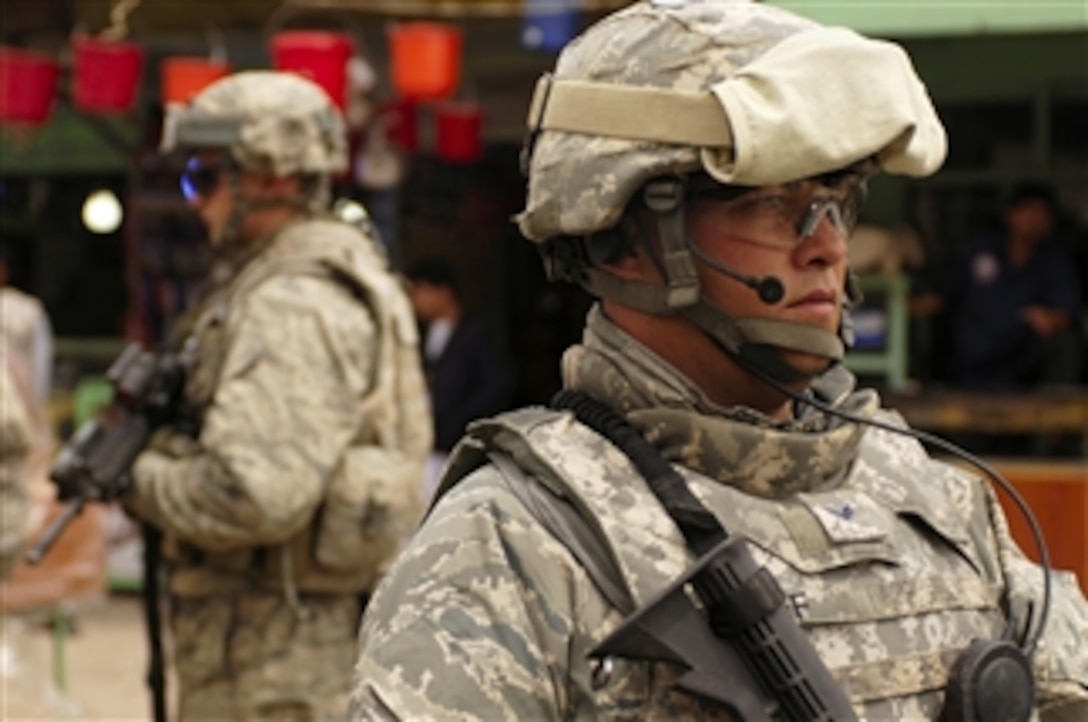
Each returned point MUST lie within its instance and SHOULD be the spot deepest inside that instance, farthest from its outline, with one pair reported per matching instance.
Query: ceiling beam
(460, 8)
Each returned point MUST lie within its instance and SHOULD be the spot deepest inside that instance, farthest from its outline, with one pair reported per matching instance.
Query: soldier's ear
(275, 186)
(632, 263)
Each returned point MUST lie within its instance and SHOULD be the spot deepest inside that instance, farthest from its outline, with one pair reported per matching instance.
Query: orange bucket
(107, 75)
(320, 56)
(28, 84)
(183, 77)
(425, 58)
(458, 132)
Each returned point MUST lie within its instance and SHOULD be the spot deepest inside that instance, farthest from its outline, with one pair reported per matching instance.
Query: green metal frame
(891, 363)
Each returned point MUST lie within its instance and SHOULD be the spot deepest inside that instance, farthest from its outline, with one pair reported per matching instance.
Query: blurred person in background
(26, 345)
(17, 432)
(298, 476)
(25, 324)
(1013, 299)
(467, 375)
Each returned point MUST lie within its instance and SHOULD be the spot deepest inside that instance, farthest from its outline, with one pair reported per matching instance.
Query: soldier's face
(797, 234)
(427, 300)
(1031, 220)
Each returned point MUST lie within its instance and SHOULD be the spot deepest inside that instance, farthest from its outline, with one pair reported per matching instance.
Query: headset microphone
(769, 288)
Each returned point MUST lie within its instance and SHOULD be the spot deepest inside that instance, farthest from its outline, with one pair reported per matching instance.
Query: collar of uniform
(736, 446)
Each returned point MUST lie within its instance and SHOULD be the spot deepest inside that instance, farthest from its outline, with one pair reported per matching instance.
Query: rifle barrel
(71, 510)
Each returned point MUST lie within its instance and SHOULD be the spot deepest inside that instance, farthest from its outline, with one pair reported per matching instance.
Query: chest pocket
(823, 547)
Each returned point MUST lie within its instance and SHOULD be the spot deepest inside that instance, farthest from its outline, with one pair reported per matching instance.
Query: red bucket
(425, 58)
(401, 116)
(28, 84)
(107, 75)
(183, 77)
(320, 56)
(457, 132)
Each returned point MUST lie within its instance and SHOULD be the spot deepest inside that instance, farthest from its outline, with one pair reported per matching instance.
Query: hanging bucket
(183, 76)
(28, 84)
(457, 132)
(318, 55)
(548, 24)
(425, 58)
(106, 75)
(401, 118)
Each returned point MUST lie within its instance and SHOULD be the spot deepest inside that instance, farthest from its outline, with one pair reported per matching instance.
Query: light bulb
(102, 211)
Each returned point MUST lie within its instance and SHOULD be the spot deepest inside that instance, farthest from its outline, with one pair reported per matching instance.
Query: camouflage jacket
(894, 563)
(309, 352)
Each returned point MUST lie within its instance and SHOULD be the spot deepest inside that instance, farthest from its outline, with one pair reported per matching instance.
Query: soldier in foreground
(712, 521)
(297, 478)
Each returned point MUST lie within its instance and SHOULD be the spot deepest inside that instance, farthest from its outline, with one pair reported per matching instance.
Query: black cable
(700, 528)
(1036, 531)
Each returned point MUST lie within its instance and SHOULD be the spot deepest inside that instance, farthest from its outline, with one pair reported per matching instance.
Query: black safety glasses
(201, 177)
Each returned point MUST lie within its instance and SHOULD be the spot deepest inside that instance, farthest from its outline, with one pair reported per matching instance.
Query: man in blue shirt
(1014, 301)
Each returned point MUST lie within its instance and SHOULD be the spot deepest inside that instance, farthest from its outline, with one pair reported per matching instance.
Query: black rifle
(725, 620)
(738, 643)
(94, 464)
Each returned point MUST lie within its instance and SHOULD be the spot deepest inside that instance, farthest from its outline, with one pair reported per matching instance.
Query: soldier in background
(698, 166)
(300, 478)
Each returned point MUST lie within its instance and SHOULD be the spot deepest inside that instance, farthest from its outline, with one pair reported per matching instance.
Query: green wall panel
(900, 18)
(68, 143)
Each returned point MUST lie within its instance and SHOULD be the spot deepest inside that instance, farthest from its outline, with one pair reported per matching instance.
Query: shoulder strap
(551, 508)
(701, 529)
(566, 524)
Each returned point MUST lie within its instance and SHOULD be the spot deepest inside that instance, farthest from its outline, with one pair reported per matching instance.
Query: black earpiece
(990, 680)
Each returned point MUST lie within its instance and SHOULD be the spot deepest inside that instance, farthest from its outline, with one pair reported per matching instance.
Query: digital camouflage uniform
(305, 359)
(892, 562)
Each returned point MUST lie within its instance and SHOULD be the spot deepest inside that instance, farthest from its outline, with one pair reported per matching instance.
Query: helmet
(270, 121)
(749, 93)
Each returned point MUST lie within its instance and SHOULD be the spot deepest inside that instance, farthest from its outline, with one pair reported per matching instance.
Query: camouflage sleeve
(1061, 660)
(15, 441)
(300, 358)
(474, 620)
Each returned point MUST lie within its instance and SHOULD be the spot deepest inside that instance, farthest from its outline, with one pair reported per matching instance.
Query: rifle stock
(739, 644)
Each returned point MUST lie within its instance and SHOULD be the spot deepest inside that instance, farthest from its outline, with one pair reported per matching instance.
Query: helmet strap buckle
(665, 197)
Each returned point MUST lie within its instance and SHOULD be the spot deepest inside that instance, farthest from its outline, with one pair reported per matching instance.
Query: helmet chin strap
(762, 342)
(229, 237)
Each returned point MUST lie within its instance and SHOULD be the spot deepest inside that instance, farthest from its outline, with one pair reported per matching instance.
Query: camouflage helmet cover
(270, 121)
(750, 93)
